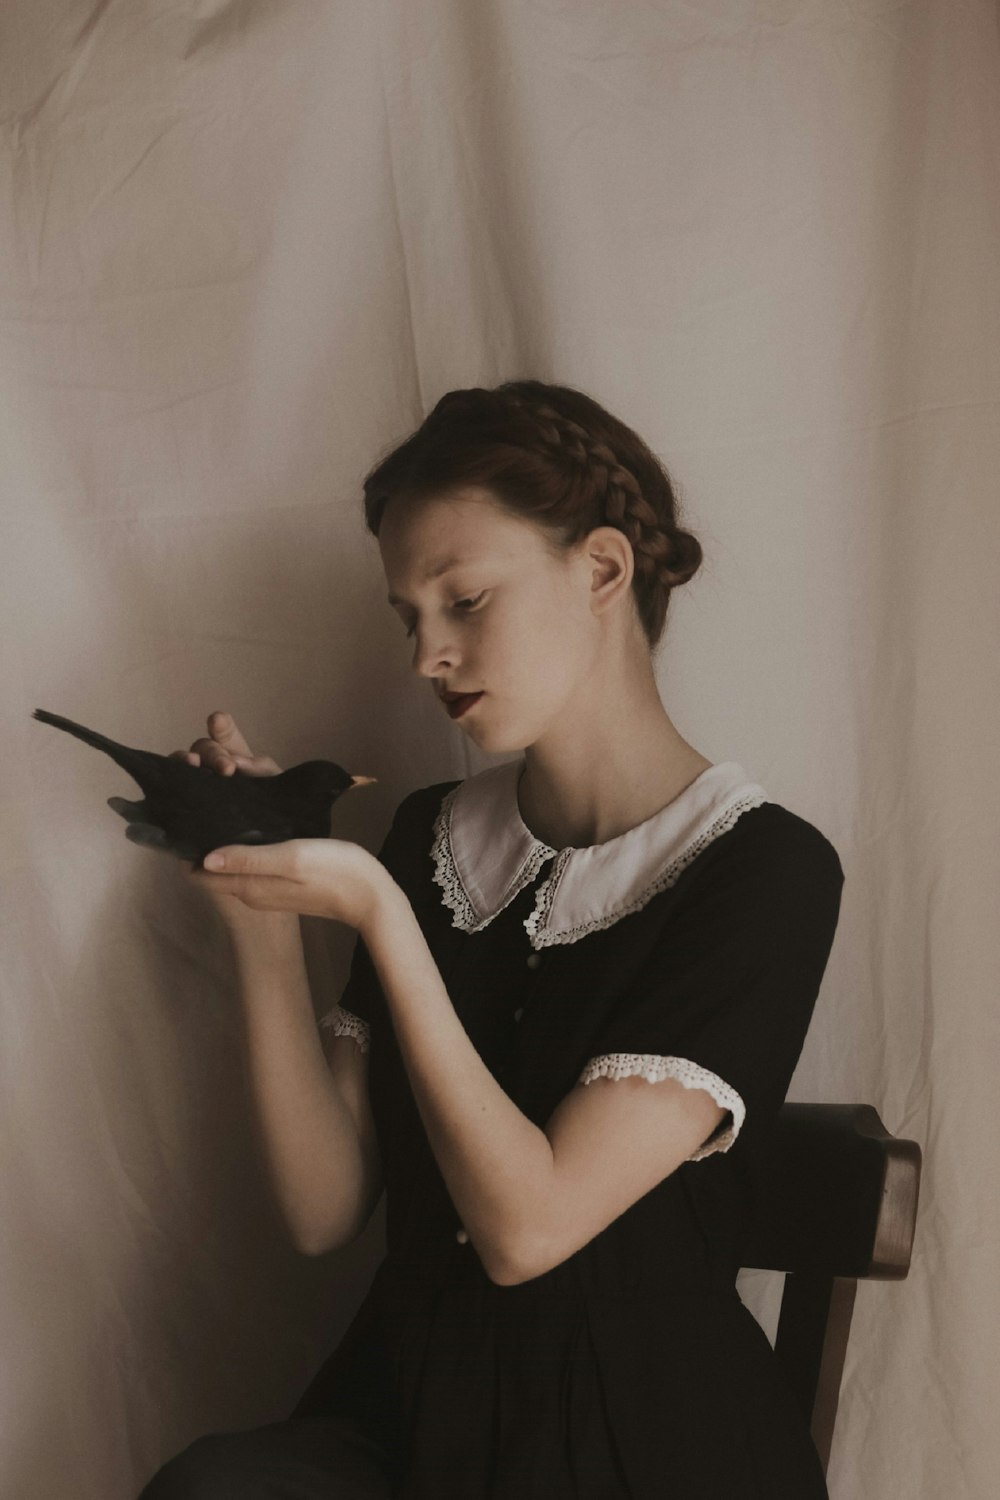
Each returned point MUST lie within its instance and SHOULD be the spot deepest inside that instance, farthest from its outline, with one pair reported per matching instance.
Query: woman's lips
(460, 705)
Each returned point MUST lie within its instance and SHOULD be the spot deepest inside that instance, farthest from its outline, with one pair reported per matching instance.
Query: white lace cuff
(345, 1023)
(653, 1067)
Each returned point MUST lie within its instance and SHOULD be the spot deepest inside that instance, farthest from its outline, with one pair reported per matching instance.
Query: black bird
(189, 810)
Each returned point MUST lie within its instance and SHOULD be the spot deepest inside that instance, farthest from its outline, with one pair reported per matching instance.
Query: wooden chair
(839, 1202)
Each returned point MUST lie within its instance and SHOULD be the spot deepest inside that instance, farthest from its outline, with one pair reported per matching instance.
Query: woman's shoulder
(777, 827)
(770, 847)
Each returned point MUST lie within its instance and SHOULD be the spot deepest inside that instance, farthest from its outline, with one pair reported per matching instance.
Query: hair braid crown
(614, 486)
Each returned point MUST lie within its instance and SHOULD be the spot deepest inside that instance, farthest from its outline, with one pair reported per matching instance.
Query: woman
(585, 978)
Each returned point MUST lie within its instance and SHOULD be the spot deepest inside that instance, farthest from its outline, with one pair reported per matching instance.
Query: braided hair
(554, 456)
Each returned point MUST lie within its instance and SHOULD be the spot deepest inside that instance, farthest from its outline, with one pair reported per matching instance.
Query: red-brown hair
(554, 456)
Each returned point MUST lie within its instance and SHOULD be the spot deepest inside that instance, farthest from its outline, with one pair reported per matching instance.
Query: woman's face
(508, 619)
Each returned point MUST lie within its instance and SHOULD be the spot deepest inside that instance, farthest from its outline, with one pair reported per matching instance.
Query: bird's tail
(89, 736)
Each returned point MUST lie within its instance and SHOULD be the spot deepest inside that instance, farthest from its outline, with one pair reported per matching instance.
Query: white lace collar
(484, 853)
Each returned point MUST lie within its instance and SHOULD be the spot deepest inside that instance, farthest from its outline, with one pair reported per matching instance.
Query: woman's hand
(224, 750)
(314, 877)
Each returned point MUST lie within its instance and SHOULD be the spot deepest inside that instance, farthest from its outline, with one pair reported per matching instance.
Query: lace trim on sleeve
(653, 1067)
(345, 1023)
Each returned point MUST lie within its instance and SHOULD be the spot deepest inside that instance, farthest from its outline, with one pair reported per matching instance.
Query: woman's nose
(432, 658)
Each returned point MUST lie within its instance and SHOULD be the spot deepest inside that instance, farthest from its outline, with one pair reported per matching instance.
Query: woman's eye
(463, 604)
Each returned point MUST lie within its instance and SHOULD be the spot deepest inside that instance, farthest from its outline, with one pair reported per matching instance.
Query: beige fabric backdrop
(245, 247)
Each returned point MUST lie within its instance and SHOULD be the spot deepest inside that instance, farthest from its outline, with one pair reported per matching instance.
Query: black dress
(692, 947)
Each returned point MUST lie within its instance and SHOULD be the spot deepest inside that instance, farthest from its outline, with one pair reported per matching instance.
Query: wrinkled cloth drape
(245, 248)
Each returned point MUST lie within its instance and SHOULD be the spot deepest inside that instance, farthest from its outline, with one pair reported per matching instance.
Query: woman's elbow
(322, 1242)
(321, 1239)
(516, 1262)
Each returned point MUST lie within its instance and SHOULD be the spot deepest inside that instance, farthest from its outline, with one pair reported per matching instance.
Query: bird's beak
(363, 780)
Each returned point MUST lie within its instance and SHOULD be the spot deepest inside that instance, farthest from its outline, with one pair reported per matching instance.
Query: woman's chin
(492, 739)
(483, 736)
(497, 744)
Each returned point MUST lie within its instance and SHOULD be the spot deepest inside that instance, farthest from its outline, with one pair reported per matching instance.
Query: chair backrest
(838, 1202)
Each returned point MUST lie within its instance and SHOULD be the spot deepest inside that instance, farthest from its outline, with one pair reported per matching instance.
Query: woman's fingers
(222, 727)
(233, 748)
(263, 765)
(224, 746)
(206, 752)
(226, 751)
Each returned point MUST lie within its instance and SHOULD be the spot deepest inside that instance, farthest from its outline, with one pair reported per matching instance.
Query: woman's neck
(599, 784)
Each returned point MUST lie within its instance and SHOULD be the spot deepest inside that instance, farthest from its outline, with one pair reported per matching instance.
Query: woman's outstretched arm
(528, 1198)
(312, 1115)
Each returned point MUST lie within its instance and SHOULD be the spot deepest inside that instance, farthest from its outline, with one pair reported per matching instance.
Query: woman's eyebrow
(444, 566)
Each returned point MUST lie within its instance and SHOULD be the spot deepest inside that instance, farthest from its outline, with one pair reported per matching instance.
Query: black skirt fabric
(510, 1392)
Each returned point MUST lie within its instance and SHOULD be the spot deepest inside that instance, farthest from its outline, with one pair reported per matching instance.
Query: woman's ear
(612, 566)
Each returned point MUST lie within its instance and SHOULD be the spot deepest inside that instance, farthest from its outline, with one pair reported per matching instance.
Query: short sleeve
(352, 1015)
(725, 999)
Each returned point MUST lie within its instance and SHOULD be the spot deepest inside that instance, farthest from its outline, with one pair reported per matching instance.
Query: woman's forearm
(309, 1136)
(498, 1165)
